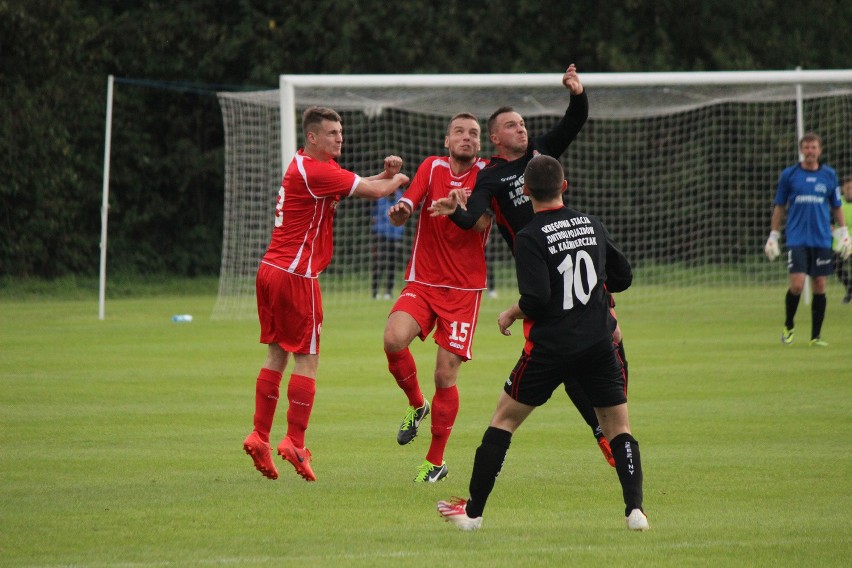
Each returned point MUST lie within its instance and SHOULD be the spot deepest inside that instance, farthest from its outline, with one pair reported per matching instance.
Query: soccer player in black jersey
(500, 187)
(563, 260)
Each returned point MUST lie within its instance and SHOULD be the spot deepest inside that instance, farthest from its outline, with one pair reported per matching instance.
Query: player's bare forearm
(392, 164)
(483, 223)
(777, 218)
(839, 218)
(375, 188)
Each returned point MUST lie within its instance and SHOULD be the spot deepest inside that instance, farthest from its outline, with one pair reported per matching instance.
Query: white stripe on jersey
(318, 205)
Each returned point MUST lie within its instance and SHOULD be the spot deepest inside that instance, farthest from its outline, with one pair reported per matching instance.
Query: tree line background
(167, 176)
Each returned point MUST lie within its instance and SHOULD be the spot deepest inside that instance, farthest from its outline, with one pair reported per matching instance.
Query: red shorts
(451, 312)
(290, 310)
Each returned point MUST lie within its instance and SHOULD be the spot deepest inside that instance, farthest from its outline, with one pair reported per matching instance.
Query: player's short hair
(464, 115)
(493, 118)
(543, 177)
(314, 115)
(810, 137)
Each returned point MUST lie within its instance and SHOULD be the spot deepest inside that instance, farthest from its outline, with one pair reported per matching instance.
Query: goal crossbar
(288, 84)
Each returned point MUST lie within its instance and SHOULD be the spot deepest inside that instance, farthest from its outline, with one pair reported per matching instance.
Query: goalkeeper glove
(842, 243)
(771, 248)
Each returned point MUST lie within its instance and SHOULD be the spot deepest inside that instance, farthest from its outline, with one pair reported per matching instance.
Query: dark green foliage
(167, 162)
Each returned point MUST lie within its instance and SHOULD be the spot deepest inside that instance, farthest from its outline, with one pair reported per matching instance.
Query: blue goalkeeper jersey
(809, 197)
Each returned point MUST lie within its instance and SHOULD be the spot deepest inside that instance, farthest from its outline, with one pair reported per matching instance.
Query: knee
(394, 341)
(445, 377)
(276, 358)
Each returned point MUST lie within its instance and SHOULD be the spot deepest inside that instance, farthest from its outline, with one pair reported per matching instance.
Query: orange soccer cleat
(299, 457)
(261, 454)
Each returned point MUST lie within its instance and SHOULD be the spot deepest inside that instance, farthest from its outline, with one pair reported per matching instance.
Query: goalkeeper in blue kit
(810, 194)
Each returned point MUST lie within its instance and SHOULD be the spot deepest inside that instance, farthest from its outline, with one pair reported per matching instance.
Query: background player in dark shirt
(563, 260)
(500, 187)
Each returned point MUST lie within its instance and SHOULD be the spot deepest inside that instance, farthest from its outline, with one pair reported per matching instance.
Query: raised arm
(557, 140)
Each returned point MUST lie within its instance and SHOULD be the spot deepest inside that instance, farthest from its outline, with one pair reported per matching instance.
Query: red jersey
(443, 254)
(303, 237)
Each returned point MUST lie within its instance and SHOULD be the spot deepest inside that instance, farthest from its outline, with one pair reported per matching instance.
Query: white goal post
(681, 167)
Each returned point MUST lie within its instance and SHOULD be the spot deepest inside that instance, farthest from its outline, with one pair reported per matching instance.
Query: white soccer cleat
(637, 521)
(454, 512)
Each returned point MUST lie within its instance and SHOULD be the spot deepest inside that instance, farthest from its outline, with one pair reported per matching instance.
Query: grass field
(121, 444)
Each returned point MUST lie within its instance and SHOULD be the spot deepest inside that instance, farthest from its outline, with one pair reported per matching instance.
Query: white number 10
(572, 279)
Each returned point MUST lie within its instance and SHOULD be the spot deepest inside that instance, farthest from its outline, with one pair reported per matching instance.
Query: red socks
(265, 401)
(300, 394)
(403, 368)
(445, 408)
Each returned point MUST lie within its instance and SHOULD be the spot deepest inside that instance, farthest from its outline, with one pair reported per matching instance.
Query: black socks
(486, 467)
(791, 303)
(625, 450)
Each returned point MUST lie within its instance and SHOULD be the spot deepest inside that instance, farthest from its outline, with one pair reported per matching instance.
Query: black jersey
(500, 185)
(564, 258)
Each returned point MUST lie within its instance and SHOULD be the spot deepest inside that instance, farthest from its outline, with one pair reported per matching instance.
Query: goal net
(681, 168)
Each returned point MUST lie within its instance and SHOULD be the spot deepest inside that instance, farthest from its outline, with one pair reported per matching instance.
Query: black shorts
(811, 261)
(597, 369)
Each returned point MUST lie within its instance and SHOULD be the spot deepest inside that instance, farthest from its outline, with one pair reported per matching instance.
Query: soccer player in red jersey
(289, 304)
(445, 279)
(500, 186)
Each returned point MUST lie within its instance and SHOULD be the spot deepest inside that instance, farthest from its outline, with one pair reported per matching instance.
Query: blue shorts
(810, 260)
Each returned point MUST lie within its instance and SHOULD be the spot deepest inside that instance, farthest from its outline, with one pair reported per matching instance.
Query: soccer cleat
(787, 336)
(847, 298)
(261, 454)
(637, 521)
(818, 342)
(299, 457)
(606, 450)
(411, 422)
(429, 473)
(454, 512)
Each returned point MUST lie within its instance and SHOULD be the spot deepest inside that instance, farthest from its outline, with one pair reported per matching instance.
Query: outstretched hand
(572, 81)
(447, 205)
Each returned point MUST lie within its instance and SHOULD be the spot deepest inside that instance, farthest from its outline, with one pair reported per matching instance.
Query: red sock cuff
(398, 356)
(270, 376)
(302, 383)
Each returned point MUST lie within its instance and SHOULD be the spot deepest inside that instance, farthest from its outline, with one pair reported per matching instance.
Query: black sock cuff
(497, 437)
(621, 438)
